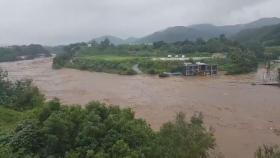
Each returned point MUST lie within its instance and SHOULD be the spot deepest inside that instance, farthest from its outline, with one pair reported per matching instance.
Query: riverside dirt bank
(242, 115)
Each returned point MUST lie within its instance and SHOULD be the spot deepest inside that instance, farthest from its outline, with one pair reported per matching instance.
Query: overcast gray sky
(52, 22)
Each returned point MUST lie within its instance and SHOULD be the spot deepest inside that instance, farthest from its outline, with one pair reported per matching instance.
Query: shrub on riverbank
(19, 95)
(14, 53)
(237, 62)
(268, 152)
(159, 66)
(124, 65)
(69, 51)
(241, 62)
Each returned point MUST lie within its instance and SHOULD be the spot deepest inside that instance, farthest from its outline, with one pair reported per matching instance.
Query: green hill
(268, 35)
(204, 31)
(193, 32)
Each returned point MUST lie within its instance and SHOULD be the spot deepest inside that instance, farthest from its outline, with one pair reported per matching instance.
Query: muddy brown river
(243, 116)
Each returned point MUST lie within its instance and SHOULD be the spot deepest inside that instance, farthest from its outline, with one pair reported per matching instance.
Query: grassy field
(9, 118)
(123, 64)
(105, 63)
(122, 60)
(110, 57)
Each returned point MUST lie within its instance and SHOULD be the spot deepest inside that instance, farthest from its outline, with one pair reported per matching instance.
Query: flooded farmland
(243, 116)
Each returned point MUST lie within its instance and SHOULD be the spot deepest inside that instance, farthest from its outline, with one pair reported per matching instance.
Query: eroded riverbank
(242, 115)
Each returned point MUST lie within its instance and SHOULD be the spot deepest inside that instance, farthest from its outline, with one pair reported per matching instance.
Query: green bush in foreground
(99, 131)
(183, 139)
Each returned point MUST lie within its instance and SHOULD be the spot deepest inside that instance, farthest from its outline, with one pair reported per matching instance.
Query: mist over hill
(193, 32)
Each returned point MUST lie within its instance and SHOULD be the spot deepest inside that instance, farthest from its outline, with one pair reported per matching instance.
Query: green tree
(5, 86)
(257, 49)
(241, 62)
(106, 43)
(27, 96)
(19, 95)
(100, 131)
(27, 139)
(13, 53)
(121, 150)
(159, 44)
(182, 139)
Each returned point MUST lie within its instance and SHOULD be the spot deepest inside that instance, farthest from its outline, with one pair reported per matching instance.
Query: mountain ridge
(267, 35)
(193, 32)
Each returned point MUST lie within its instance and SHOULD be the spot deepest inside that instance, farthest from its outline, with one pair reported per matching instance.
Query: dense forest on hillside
(264, 41)
(13, 53)
(267, 36)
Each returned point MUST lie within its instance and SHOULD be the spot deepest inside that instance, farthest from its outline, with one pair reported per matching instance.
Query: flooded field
(243, 116)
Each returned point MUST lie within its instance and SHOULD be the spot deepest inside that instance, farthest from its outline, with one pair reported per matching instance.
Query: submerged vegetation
(268, 152)
(106, 57)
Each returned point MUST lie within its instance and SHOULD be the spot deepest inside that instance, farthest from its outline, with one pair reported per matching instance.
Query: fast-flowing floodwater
(243, 116)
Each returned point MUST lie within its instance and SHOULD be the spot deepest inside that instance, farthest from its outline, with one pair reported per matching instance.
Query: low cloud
(52, 22)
